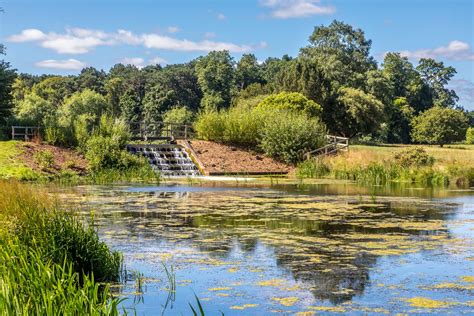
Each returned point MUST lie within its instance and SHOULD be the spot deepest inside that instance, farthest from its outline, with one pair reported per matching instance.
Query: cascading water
(169, 160)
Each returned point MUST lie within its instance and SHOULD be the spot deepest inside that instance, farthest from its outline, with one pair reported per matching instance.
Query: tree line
(358, 97)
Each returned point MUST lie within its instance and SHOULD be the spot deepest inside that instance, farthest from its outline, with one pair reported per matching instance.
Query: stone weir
(170, 160)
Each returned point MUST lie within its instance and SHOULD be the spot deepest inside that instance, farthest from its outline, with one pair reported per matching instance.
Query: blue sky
(46, 36)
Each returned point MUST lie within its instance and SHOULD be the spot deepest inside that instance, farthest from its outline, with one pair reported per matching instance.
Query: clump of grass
(143, 173)
(44, 159)
(312, 168)
(32, 285)
(50, 262)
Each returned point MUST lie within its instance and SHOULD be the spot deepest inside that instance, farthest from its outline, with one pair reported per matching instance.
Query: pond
(292, 249)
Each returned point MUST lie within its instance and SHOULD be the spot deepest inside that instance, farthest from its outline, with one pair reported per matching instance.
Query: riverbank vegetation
(378, 165)
(50, 263)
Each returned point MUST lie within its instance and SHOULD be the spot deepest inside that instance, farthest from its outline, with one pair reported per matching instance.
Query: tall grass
(368, 167)
(50, 263)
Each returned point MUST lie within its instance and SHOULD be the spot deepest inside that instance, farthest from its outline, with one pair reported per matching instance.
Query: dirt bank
(224, 159)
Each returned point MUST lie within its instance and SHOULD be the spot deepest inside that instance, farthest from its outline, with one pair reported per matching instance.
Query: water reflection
(327, 244)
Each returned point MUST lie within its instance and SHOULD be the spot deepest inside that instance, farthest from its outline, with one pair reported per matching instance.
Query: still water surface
(248, 249)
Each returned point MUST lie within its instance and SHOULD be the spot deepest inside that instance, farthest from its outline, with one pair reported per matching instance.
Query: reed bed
(379, 166)
(50, 263)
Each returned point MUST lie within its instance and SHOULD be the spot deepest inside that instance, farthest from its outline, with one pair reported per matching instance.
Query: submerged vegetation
(50, 263)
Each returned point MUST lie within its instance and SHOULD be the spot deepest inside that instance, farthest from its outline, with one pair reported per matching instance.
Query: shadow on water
(326, 238)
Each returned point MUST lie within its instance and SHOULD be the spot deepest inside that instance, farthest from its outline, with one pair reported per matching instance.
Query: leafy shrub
(54, 134)
(105, 148)
(414, 157)
(470, 135)
(179, 115)
(291, 101)
(243, 126)
(439, 126)
(288, 135)
(44, 159)
(210, 125)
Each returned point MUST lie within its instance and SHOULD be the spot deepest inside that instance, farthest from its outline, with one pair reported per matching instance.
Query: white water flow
(169, 160)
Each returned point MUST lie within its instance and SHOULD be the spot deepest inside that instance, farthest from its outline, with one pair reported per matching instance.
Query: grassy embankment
(453, 164)
(50, 263)
(44, 168)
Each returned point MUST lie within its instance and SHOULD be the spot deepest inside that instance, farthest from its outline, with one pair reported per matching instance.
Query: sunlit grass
(50, 262)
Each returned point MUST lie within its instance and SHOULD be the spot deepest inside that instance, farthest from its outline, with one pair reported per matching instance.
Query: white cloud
(73, 41)
(173, 29)
(221, 16)
(27, 35)
(168, 43)
(135, 61)
(286, 9)
(68, 64)
(157, 60)
(81, 41)
(455, 50)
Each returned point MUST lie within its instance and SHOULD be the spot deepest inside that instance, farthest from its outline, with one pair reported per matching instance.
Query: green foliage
(363, 110)
(104, 149)
(414, 157)
(248, 71)
(34, 110)
(215, 77)
(243, 126)
(439, 126)
(291, 101)
(7, 77)
(399, 115)
(50, 263)
(87, 103)
(312, 168)
(157, 101)
(55, 89)
(210, 125)
(288, 135)
(44, 159)
(470, 135)
(436, 76)
(180, 115)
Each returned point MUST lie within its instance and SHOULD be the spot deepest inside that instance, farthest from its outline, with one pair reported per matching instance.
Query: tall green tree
(437, 76)
(343, 52)
(114, 88)
(7, 77)
(405, 81)
(157, 101)
(363, 112)
(92, 79)
(55, 89)
(215, 74)
(248, 71)
(399, 116)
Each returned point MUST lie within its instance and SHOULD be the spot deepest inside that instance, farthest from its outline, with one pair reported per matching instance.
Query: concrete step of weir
(169, 159)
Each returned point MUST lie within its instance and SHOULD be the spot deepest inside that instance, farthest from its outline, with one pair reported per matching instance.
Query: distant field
(449, 154)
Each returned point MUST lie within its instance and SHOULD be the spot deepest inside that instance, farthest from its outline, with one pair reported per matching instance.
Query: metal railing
(334, 145)
(161, 131)
(25, 132)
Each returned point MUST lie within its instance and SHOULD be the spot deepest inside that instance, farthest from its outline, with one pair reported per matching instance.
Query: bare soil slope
(224, 159)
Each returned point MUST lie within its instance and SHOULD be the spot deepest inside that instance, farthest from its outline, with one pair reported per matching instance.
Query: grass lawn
(10, 164)
(449, 154)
